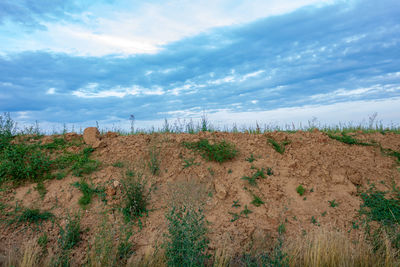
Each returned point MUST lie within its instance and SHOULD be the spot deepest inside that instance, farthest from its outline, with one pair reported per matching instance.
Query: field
(311, 197)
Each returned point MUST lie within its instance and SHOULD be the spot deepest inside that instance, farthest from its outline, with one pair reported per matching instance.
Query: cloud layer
(346, 52)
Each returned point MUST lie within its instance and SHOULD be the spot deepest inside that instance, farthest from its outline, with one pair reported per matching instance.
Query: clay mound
(327, 169)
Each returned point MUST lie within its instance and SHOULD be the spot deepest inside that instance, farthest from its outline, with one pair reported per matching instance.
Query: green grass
(41, 189)
(189, 162)
(187, 242)
(32, 216)
(135, 197)
(88, 192)
(251, 158)
(220, 151)
(257, 201)
(347, 139)
(154, 161)
(259, 173)
(333, 203)
(279, 147)
(118, 164)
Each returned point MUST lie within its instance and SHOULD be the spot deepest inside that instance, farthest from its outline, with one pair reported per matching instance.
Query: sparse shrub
(187, 241)
(136, 199)
(219, 152)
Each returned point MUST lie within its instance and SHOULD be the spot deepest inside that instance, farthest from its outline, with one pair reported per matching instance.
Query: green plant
(154, 162)
(333, 203)
(300, 190)
(136, 199)
(186, 239)
(251, 158)
(118, 164)
(257, 201)
(70, 236)
(190, 162)
(32, 216)
(281, 229)
(219, 151)
(230, 171)
(43, 240)
(280, 148)
(88, 192)
(347, 139)
(41, 189)
(246, 211)
(211, 171)
(83, 164)
(314, 221)
(260, 173)
(235, 204)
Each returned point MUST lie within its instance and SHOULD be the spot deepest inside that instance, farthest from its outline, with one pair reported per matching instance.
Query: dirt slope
(328, 170)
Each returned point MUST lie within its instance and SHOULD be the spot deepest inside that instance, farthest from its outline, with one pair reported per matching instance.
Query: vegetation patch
(347, 139)
(300, 190)
(88, 192)
(279, 147)
(219, 151)
(186, 243)
(259, 173)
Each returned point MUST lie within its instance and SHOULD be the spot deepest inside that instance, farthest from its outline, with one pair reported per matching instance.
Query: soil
(328, 170)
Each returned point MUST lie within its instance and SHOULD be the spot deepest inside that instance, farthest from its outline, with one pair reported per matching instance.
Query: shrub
(187, 241)
(219, 152)
(136, 199)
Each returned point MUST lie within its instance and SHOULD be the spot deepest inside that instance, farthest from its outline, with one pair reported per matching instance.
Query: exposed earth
(330, 172)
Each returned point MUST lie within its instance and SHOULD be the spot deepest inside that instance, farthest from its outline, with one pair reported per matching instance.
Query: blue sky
(274, 62)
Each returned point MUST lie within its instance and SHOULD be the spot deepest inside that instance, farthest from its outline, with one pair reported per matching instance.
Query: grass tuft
(219, 152)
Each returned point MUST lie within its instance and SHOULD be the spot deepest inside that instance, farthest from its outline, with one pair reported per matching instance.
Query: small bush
(136, 199)
(219, 152)
(187, 241)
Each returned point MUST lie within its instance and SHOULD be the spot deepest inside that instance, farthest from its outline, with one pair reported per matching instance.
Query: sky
(274, 62)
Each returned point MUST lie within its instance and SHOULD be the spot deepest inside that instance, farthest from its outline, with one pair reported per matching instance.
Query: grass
(88, 193)
(154, 162)
(333, 203)
(251, 158)
(69, 237)
(279, 147)
(41, 189)
(220, 151)
(257, 201)
(32, 216)
(186, 243)
(259, 173)
(135, 196)
(189, 162)
(347, 139)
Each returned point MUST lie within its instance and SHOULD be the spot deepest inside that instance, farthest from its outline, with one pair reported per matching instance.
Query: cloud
(338, 53)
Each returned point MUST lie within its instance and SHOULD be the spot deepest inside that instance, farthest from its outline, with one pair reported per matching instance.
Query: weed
(136, 200)
(41, 189)
(230, 171)
(235, 216)
(21, 162)
(154, 162)
(88, 192)
(190, 162)
(333, 203)
(280, 148)
(235, 204)
(211, 171)
(219, 152)
(187, 242)
(83, 164)
(118, 164)
(379, 208)
(260, 173)
(32, 216)
(257, 201)
(323, 214)
(346, 139)
(281, 228)
(314, 221)
(70, 236)
(251, 158)
(300, 190)
(246, 211)
(251, 180)
(43, 240)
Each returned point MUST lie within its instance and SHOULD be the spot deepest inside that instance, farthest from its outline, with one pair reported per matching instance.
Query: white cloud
(51, 91)
(91, 91)
(142, 27)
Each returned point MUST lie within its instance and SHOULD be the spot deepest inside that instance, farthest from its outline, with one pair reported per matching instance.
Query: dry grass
(332, 248)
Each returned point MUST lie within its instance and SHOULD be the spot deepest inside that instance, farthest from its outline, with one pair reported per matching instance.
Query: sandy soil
(327, 169)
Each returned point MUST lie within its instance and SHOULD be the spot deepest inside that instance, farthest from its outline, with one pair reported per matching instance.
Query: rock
(116, 184)
(91, 136)
(220, 191)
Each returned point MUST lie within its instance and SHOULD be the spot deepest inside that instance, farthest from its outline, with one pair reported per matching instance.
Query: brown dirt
(326, 168)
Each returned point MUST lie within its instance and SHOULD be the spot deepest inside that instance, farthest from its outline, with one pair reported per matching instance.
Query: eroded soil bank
(331, 172)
